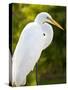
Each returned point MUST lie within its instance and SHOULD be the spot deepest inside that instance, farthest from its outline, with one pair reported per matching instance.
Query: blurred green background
(52, 63)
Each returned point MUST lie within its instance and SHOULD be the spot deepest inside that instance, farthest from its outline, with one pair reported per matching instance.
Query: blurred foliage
(52, 63)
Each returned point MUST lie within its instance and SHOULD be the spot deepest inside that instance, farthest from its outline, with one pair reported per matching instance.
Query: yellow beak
(52, 21)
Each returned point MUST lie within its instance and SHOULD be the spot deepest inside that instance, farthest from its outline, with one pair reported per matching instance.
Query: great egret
(35, 37)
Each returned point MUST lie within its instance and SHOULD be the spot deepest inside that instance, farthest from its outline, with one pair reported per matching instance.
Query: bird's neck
(48, 30)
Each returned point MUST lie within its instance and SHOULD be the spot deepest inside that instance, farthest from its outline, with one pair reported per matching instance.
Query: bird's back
(27, 52)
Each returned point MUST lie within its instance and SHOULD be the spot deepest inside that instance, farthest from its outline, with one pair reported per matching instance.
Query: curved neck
(48, 30)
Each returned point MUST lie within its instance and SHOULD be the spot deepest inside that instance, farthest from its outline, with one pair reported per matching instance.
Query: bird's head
(46, 18)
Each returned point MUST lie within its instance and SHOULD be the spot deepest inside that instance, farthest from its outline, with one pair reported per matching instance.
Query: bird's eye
(47, 17)
(44, 34)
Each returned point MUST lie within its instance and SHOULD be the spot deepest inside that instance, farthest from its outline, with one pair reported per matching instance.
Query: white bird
(35, 37)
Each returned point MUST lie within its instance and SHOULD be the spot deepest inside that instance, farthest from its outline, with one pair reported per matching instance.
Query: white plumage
(35, 37)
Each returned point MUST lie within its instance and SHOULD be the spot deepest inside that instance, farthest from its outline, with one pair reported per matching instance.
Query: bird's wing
(27, 52)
